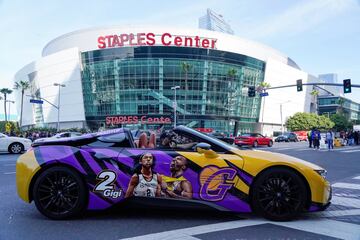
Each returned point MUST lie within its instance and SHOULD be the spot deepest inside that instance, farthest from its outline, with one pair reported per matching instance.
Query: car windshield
(211, 140)
(2, 135)
(248, 135)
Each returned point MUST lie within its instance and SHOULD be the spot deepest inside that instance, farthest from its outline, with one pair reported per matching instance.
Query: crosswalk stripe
(351, 151)
(358, 177)
(345, 201)
(325, 227)
(346, 185)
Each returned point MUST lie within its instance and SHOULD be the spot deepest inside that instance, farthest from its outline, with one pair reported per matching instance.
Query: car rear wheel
(255, 144)
(59, 193)
(279, 194)
(16, 148)
(270, 143)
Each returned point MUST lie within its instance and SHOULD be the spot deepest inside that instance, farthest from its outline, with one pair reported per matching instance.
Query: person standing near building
(350, 138)
(330, 139)
(315, 136)
(356, 137)
(309, 135)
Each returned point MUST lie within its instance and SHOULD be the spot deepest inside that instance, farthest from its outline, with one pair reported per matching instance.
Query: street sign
(36, 101)
(264, 94)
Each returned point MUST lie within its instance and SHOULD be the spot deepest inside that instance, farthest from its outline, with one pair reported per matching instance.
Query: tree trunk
(186, 89)
(5, 108)
(21, 111)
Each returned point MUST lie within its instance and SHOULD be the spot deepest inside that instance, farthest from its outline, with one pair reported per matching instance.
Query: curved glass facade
(137, 81)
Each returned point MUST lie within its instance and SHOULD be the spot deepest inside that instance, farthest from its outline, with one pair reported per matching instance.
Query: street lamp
(175, 104)
(58, 107)
(281, 118)
(9, 101)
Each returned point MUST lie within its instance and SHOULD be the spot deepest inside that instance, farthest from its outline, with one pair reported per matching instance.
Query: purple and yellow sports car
(65, 177)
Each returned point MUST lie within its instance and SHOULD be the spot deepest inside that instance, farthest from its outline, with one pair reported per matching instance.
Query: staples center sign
(150, 39)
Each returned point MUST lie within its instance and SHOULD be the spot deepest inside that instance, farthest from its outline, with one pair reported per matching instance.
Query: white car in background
(59, 135)
(13, 144)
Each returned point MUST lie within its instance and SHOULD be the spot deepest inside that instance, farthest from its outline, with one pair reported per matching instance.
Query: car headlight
(322, 173)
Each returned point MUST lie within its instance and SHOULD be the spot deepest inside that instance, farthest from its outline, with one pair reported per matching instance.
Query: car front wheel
(279, 194)
(270, 143)
(255, 144)
(59, 193)
(16, 148)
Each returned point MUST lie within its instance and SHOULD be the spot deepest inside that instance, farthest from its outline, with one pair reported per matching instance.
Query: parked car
(287, 137)
(13, 144)
(222, 137)
(98, 171)
(59, 135)
(253, 139)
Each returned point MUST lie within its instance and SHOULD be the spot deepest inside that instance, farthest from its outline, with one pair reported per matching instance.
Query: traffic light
(347, 85)
(251, 91)
(299, 85)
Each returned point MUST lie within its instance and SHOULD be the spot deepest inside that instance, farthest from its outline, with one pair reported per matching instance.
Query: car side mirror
(205, 148)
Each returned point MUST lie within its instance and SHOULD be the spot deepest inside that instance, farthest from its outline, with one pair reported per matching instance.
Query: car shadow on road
(130, 211)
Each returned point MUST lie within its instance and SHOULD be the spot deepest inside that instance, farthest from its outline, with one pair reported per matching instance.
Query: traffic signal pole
(314, 84)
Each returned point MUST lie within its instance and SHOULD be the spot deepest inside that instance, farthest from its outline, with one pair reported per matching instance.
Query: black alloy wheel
(279, 194)
(59, 193)
(255, 144)
(270, 143)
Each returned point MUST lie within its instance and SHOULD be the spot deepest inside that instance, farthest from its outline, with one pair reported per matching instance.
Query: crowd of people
(346, 138)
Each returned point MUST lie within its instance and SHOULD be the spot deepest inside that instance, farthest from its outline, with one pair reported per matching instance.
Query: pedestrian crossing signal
(347, 85)
(299, 86)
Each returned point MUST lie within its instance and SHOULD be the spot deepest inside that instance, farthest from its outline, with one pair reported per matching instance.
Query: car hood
(18, 139)
(269, 158)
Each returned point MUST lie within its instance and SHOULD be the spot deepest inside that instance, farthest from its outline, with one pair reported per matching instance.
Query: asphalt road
(19, 220)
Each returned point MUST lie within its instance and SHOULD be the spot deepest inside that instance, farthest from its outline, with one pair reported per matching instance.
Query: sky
(321, 36)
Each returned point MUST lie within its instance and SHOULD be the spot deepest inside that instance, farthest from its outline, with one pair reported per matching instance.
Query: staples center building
(118, 76)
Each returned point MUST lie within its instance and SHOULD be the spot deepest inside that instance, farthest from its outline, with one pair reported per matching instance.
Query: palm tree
(23, 86)
(340, 108)
(185, 67)
(262, 88)
(315, 93)
(231, 75)
(5, 92)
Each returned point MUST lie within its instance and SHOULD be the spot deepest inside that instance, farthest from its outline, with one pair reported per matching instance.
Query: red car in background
(253, 139)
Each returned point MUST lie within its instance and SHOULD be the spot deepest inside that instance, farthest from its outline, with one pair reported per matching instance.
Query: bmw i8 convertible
(65, 177)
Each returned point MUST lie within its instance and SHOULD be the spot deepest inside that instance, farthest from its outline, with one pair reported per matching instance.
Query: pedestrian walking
(330, 139)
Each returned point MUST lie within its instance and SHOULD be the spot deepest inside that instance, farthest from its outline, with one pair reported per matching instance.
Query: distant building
(214, 22)
(331, 78)
(329, 105)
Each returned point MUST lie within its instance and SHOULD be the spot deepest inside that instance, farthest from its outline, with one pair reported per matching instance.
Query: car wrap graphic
(218, 184)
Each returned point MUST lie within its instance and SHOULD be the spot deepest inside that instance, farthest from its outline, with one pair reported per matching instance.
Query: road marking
(188, 232)
(326, 227)
(283, 148)
(346, 185)
(358, 177)
(351, 151)
(344, 201)
(337, 213)
(9, 172)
